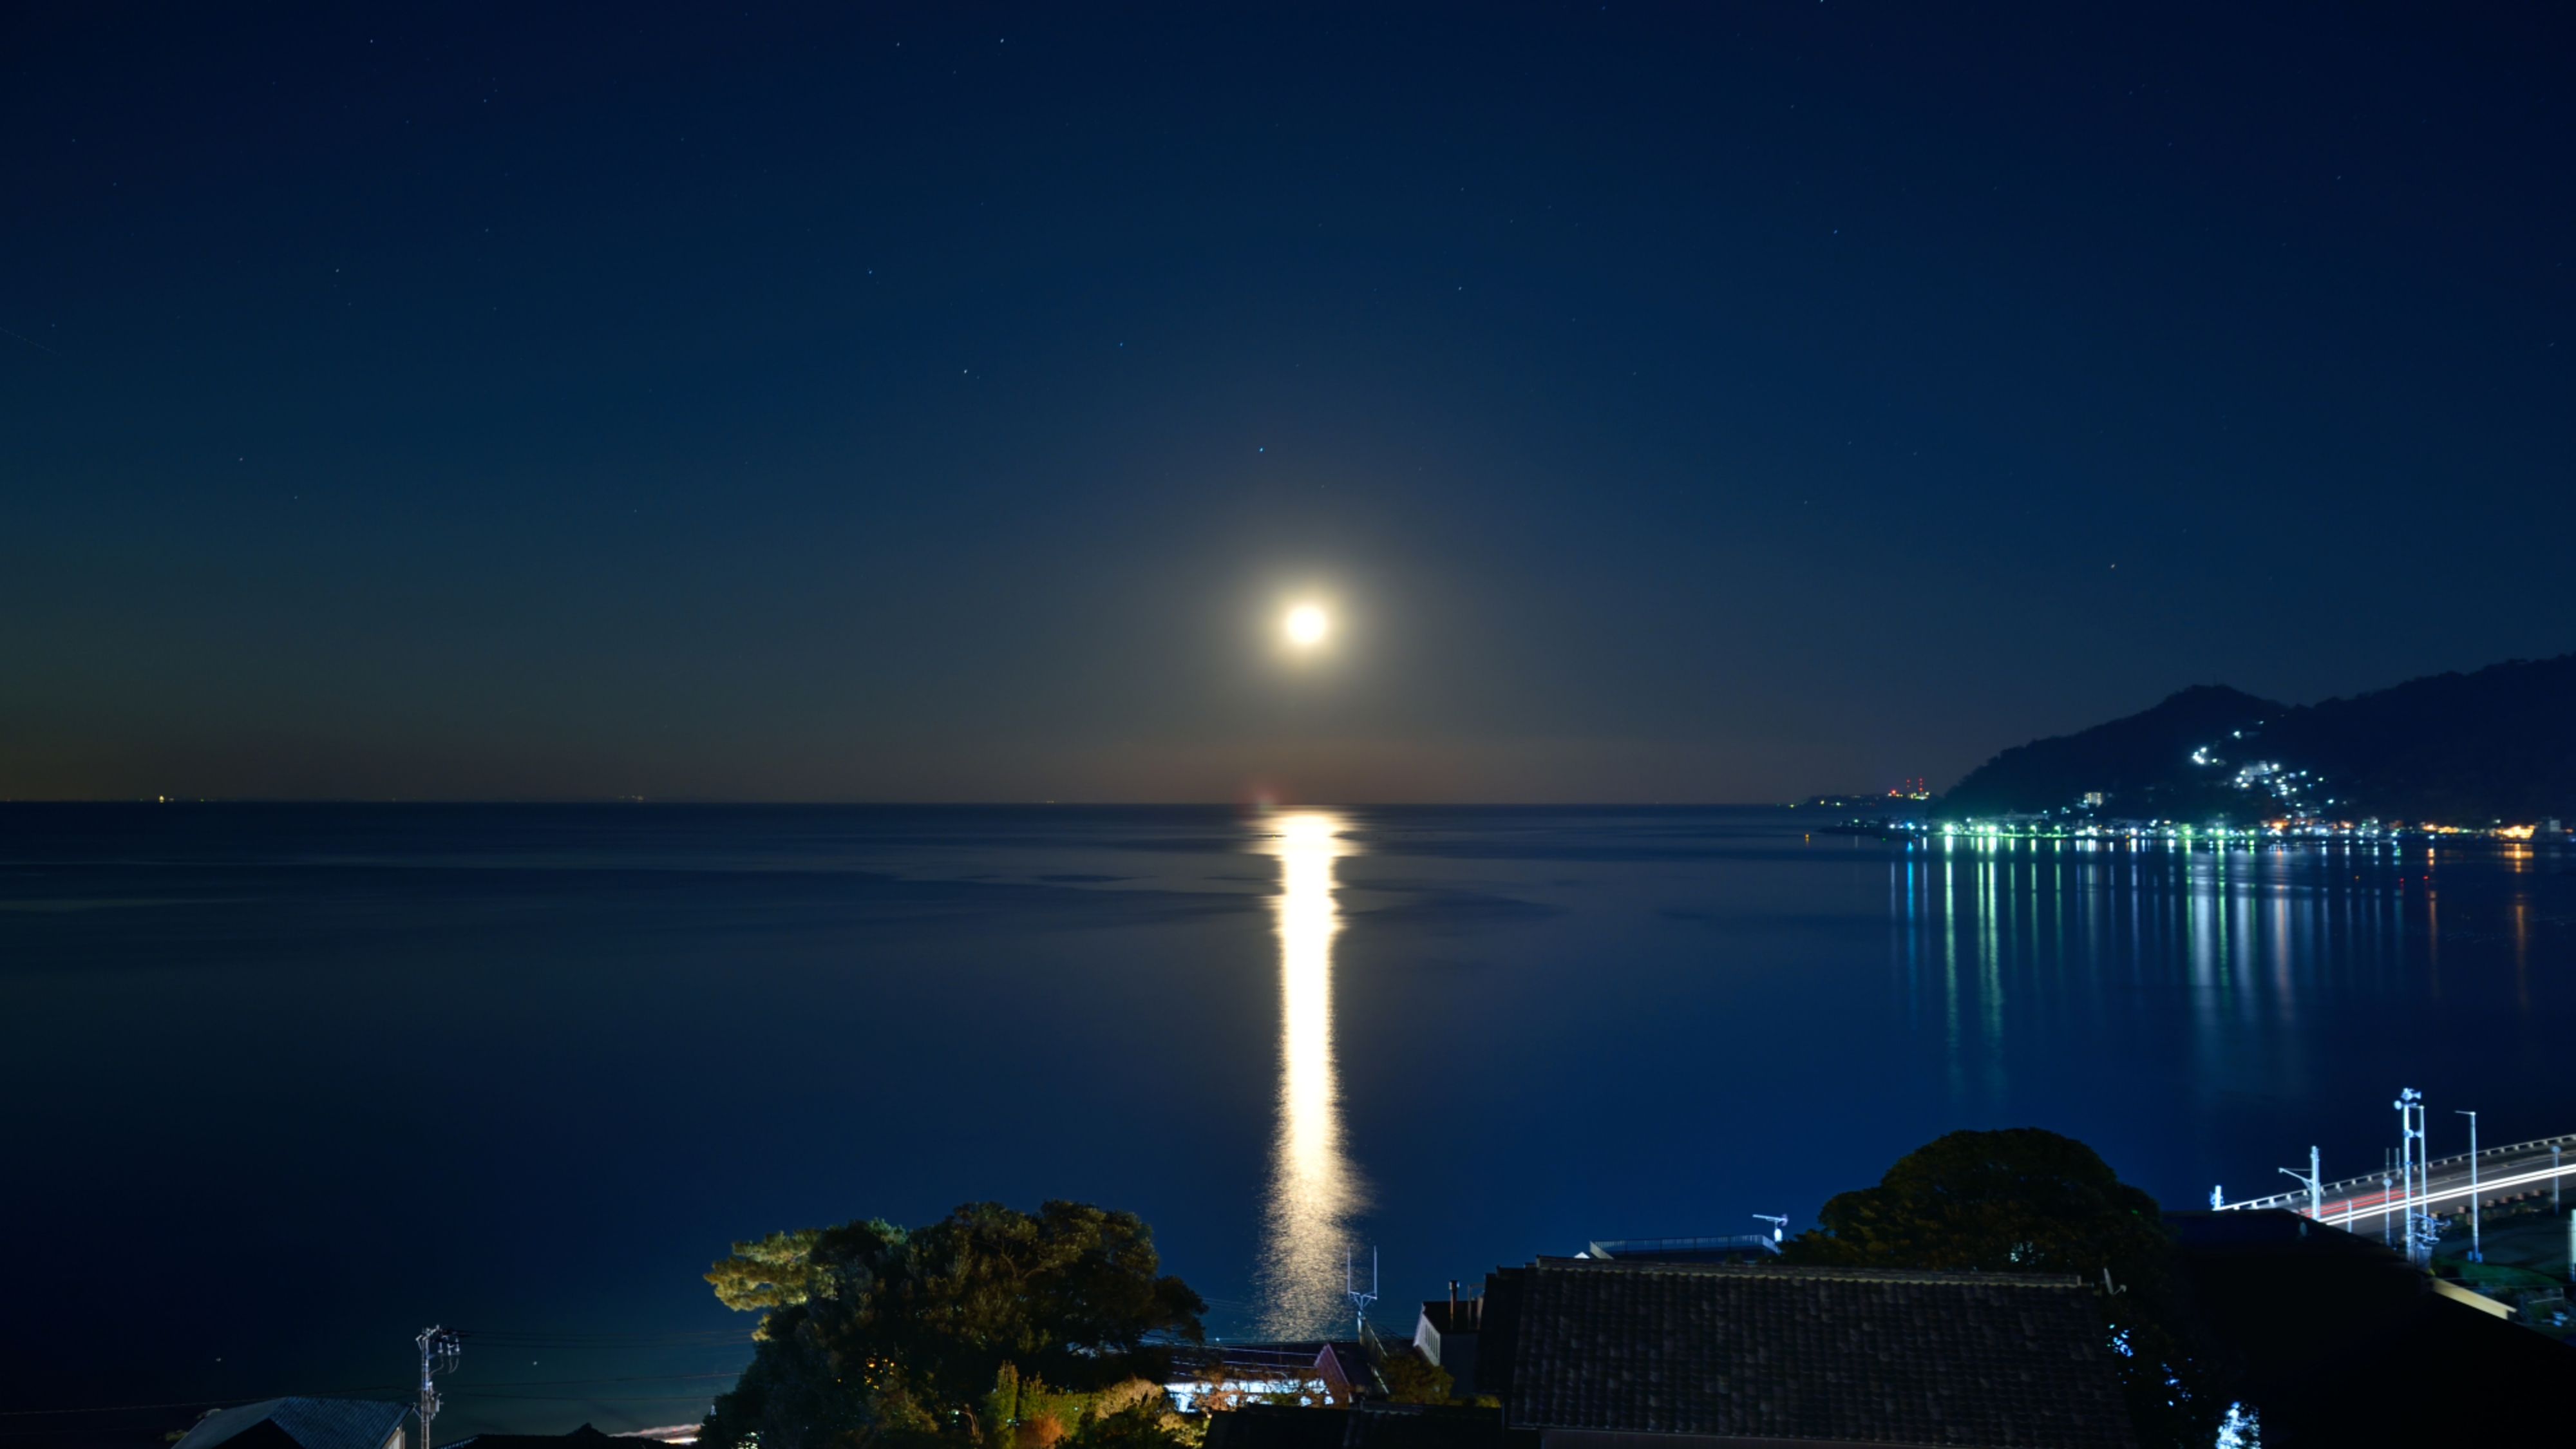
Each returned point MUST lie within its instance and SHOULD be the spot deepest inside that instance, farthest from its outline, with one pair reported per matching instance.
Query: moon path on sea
(1313, 1191)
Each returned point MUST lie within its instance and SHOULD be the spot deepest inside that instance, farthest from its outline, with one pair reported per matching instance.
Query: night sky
(1674, 403)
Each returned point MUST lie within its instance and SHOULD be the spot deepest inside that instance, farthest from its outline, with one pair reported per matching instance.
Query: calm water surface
(289, 1083)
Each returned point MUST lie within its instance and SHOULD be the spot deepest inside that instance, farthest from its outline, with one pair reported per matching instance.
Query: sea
(288, 1084)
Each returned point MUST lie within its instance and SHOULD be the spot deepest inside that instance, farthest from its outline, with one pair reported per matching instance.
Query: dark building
(1592, 1354)
(2338, 1340)
(303, 1424)
(1735, 1248)
(1445, 1335)
(584, 1437)
(1362, 1426)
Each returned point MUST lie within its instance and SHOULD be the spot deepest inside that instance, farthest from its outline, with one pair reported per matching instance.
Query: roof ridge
(1815, 1270)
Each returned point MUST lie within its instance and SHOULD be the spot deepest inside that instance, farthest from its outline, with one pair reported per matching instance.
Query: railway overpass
(2517, 1172)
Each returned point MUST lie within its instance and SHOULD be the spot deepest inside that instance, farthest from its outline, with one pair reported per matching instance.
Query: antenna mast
(1359, 1301)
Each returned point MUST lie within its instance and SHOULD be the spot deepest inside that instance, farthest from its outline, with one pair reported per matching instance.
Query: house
(1587, 1353)
(584, 1437)
(1734, 1248)
(1334, 1372)
(1445, 1336)
(1343, 1366)
(303, 1424)
(1362, 1426)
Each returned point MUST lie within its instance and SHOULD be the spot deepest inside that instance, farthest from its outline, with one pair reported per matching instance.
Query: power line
(191, 1403)
(374, 1389)
(628, 1379)
(529, 1339)
(605, 1398)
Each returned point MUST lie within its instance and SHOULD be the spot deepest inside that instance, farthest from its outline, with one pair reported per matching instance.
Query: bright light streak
(1312, 1188)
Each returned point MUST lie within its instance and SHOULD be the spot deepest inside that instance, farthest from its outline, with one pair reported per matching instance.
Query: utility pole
(1359, 1301)
(2316, 1193)
(439, 1350)
(2475, 1246)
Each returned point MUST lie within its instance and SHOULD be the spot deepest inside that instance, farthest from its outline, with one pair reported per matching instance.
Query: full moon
(1307, 626)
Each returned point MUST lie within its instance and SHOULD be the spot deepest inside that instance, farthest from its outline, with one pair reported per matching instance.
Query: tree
(1412, 1379)
(773, 1272)
(879, 1335)
(2024, 1200)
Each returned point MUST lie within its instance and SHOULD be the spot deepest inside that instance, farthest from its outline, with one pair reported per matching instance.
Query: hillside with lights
(2492, 747)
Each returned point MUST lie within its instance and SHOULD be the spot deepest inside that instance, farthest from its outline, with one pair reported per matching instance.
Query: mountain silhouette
(2471, 749)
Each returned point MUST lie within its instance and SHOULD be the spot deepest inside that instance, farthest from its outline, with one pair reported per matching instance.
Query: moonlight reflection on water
(1313, 1191)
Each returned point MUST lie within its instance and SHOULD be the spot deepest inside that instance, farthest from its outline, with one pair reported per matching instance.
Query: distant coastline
(2485, 755)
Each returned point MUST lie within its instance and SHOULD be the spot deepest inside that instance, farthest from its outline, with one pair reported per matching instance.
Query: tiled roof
(1369, 1426)
(584, 1437)
(312, 1423)
(1779, 1352)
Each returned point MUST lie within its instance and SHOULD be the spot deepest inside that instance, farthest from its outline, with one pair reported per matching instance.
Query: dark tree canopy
(1412, 1379)
(2021, 1200)
(2026, 1200)
(880, 1334)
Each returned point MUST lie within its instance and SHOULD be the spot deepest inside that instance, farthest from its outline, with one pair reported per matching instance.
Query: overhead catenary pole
(2411, 1170)
(2387, 1194)
(2308, 1180)
(2476, 1255)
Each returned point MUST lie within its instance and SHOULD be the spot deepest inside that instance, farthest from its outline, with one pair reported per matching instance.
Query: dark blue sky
(1678, 403)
